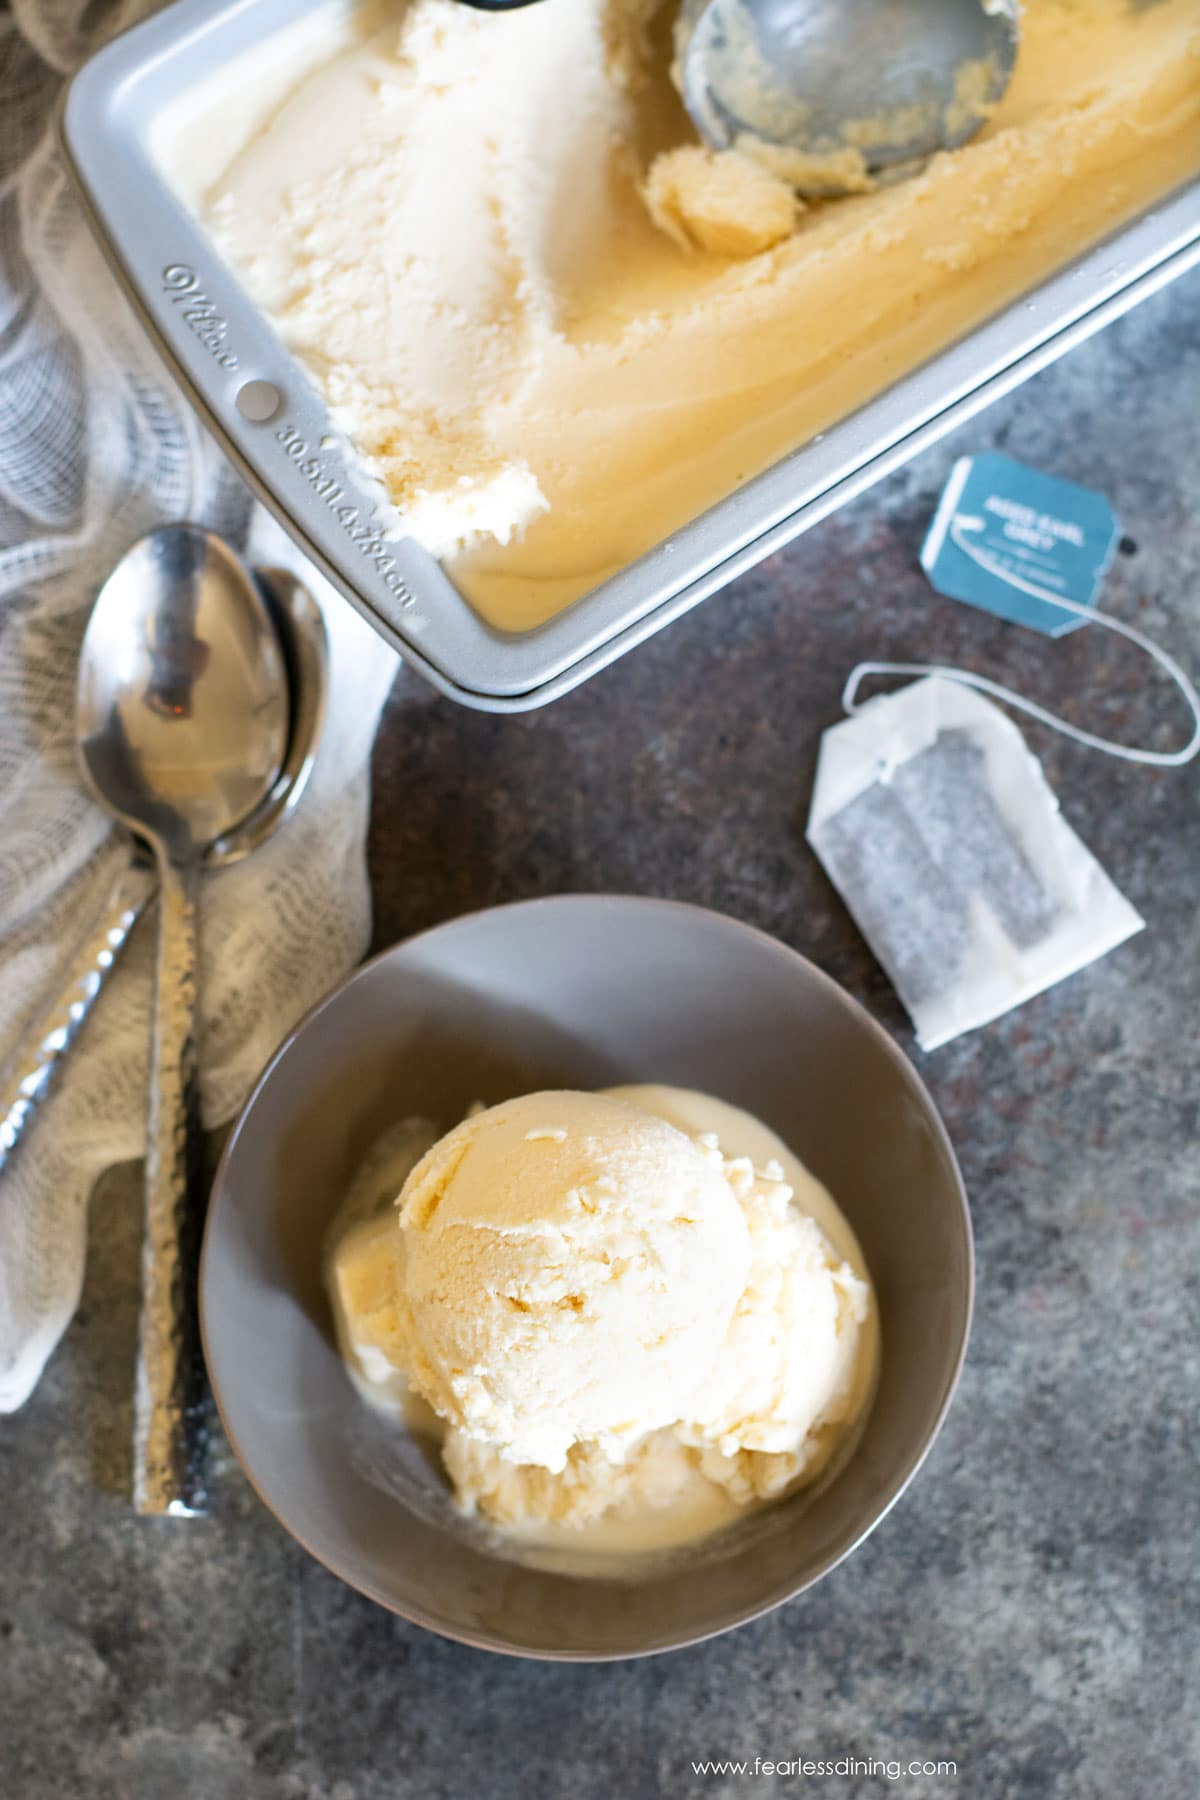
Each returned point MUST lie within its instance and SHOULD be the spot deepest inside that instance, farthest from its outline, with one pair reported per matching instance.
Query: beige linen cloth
(96, 447)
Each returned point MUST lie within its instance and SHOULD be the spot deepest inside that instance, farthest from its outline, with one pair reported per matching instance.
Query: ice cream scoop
(624, 1316)
(846, 87)
(572, 1265)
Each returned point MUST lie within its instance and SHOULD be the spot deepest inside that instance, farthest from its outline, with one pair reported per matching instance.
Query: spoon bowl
(182, 698)
(853, 89)
(305, 649)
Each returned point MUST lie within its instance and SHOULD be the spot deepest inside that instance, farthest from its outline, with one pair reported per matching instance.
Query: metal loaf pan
(216, 342)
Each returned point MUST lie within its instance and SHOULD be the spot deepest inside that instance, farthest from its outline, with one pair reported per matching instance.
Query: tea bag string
(967, 678)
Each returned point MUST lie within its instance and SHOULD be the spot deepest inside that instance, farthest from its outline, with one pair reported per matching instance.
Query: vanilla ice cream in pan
(525, 370)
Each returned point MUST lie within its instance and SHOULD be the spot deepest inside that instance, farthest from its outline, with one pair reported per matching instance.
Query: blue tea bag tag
(1006, 537)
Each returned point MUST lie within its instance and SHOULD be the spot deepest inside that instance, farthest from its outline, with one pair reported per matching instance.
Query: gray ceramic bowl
(572, 992)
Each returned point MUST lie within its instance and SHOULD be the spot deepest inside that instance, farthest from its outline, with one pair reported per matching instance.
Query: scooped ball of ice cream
(572, 1268)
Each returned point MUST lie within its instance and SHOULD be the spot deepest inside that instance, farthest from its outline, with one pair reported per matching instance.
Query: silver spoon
(181, 720)
(889, 81)
(30, 1076)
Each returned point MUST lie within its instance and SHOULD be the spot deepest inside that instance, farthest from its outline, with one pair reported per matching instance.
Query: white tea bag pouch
(938, 828)
(932, 818)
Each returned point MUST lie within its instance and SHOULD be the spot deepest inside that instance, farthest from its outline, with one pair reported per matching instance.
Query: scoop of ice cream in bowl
(585, 1277)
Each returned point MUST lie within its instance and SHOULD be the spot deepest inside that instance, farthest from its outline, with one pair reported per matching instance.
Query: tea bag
(938, 828)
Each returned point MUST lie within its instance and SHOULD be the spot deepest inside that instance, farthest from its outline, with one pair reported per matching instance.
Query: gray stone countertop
(1029, 1610)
